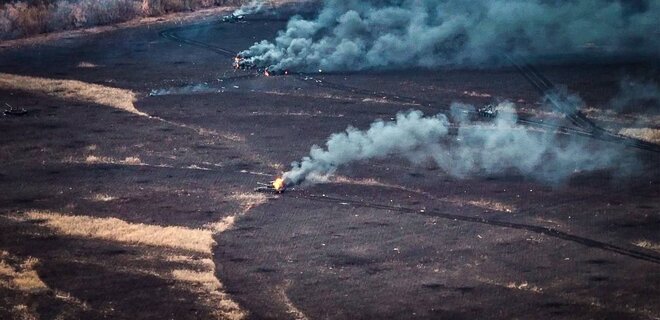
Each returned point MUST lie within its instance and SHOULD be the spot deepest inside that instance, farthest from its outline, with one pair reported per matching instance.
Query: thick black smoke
(376, 34)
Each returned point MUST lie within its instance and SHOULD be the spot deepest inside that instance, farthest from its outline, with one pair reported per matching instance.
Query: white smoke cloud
(357, 35)
(410, 132)
(252, 7)
(491, 148)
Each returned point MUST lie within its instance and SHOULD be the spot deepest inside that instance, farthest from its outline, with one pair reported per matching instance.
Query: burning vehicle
(242, 63)
(278, 186)
(268, 72)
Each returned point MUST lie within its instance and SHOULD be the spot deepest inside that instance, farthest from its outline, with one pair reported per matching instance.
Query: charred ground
(189, 158)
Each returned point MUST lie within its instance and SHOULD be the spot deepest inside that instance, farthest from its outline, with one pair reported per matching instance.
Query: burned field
(127, 190)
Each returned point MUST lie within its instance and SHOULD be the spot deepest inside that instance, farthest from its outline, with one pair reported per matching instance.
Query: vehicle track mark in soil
(551, 232)
(290, 307)
(545, 86)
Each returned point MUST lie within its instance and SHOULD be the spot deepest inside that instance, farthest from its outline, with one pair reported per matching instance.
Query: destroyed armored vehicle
(242, 63)
(275, 72)
(488, 112)
(276, 186)
(232, 18)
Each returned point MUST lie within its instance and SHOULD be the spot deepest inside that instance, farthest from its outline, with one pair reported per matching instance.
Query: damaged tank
(488, 112)
(233, 18)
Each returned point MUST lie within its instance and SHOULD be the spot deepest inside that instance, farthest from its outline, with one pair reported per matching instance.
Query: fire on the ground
(276, 186)
(242, 63)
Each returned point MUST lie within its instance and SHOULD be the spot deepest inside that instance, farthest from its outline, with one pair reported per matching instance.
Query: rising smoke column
(251, 7)
(477, 148)
(410, 132)
(356, 35)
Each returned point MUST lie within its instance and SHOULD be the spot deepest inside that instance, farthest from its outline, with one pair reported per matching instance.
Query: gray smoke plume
(252, 7)
(376, 34)
(478, 148)
(633, 93)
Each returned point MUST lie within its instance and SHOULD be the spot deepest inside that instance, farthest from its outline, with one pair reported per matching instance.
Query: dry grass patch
(85, 64)
(117, 230)
(648, 245)
(205, 278)
(646, 134)
(133, 161)
(72, 90)
(523, 285)
(101, 197)
(371, 182)
(487, 204)
(191, 272)
(20, 276)
(246, 201)
(291, 309)
(202, 276)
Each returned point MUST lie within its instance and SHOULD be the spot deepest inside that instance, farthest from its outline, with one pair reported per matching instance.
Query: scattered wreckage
(233, 18)
(12, 111)
(488, 111)
(243, 63)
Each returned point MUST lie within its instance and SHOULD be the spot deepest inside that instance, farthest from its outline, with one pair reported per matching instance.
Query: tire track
(551, 232)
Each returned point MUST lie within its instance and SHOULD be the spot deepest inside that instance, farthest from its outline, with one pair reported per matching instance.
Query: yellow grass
(92, 159)
(201, 273)
(100, 197)
(648, 245)
(291, 309)
(23, 312)
(85, 64)
(523, 285)
(205, 278)
(487, 204)
(247, 201)
(646, 134)
(371, 182)
(23, 277)
(197, 275)
(72, 90)
(117, 230)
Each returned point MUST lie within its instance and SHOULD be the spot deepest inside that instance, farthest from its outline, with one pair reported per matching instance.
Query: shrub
(29, 17)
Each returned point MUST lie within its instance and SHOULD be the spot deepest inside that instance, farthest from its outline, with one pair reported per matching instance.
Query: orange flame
(278, 184)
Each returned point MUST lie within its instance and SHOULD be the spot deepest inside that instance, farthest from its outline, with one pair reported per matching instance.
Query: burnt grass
(353, 255)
